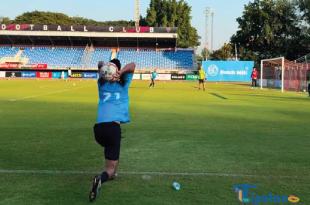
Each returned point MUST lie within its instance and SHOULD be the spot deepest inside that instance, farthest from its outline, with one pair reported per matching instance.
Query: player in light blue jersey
(113, 110)
(153, 77)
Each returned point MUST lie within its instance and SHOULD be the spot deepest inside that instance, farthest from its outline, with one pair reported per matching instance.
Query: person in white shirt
(69, 73)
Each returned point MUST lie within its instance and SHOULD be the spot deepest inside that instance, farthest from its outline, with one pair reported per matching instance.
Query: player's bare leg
(111, 167)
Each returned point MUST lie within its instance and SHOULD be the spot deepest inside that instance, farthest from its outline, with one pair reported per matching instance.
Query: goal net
(279, 73)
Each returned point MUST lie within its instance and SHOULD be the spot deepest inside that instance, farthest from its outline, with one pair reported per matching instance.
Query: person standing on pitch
(69, 73)
(202, 78)
(62, 75)
(153, 77)
(254, 78)
(113, 110)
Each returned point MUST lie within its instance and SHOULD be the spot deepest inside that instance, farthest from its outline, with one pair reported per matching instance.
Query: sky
(225, 25)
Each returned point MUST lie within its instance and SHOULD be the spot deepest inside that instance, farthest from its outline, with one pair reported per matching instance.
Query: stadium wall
(56, 74)
(228, 71)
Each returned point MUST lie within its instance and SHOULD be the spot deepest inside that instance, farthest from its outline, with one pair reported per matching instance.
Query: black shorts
(201, 80)
(108, 135)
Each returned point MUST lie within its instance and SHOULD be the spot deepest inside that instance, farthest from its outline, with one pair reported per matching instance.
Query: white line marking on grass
(55, 172)
(61, 91)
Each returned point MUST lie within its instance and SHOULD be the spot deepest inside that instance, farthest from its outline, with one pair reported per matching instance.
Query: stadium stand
(150, 59)
(55, 58)
(150, 47)
(61, 57)
(8, 52)
(100, 55)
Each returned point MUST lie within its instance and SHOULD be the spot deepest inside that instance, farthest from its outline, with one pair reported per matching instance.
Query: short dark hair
(117, 63)
(100, 64)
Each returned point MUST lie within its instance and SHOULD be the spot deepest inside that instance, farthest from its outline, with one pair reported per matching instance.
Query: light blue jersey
(114, 101)
(154, 75)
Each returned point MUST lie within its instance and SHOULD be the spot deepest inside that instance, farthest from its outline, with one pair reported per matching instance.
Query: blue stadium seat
(65, 57)
(100, 55)
(78, 57)
(150, 59)
(58, 57)
(8, 52)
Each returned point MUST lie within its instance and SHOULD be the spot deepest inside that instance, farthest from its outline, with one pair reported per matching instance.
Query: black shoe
(95, 190)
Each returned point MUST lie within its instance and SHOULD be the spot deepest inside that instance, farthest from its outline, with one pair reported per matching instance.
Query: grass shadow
(219, 96)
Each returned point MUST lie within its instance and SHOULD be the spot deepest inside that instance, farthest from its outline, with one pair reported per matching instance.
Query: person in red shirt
(254, 78)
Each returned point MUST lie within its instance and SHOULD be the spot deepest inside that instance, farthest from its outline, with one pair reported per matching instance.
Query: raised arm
(129, 68)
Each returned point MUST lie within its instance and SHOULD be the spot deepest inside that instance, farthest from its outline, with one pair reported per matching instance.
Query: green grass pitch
(207, 141)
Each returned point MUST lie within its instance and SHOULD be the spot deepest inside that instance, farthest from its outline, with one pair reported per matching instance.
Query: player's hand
(117, 76)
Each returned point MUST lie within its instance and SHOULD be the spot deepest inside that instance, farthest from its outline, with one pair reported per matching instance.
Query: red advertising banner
(37, 66)
(44, 74)
(9, 65)
(16, 65)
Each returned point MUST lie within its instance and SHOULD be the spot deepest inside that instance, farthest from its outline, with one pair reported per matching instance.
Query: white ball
(108, 71)
(304, 90)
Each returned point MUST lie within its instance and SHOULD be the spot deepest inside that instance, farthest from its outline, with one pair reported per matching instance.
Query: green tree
(177, 14)
(199, 58)
(164, 11)
(205, 53)
(188, 35)
(143, 21)
(224, 53)
(5, 20)
(245, 54)
(172, 12)
(151, 14)
(304, 8)
(48, 18)
(158, 6)
(304, 19)
(269, 28)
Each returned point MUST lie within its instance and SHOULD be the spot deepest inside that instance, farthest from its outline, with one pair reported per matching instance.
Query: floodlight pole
(212, 17)
(207, 12)
(137, 13)
(282, 80)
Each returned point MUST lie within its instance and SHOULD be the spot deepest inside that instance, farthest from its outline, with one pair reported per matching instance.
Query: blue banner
(236, 71)
(57, 75)
(29, 74)
(90, 75)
